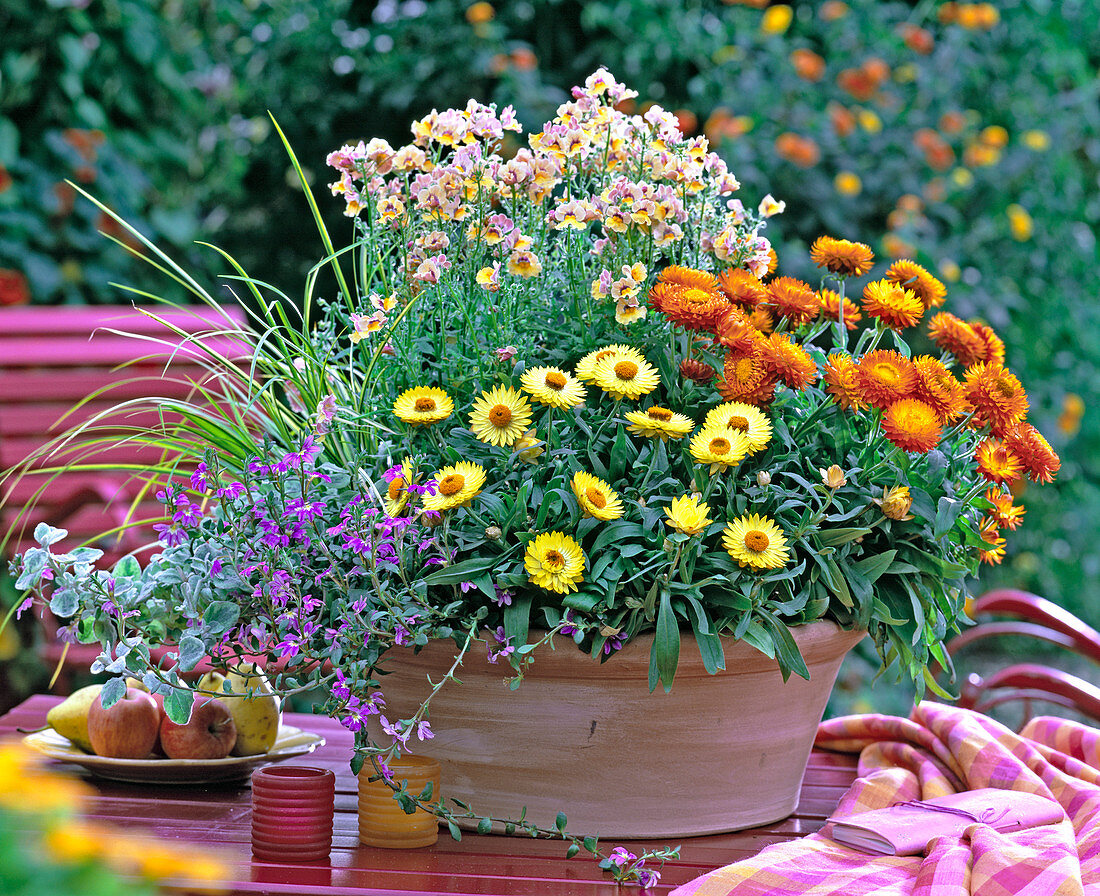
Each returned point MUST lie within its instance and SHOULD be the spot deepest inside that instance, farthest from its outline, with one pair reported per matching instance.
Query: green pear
(70, 717)
(251, 703)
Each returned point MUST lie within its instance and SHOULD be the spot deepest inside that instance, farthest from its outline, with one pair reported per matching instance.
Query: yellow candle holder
(382, 821)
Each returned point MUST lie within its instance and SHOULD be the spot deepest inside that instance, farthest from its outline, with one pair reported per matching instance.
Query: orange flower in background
(938, 388)
(917, 39)
(788, 361)
(5, 180)
(523, 59)
(952, 122)
(841, 118)
(955, 335)
(972, 16)
(896, 306)
(847, 183)
(883, 377)
(858, 83)
(937, 152)
(997, 462)
(912, 276)
(831, 10)
(807, 64)
(65, 196)
(912, 425)
(697, 371)
(842, 257)
(1004, 512)
(722, 124)
(830, 306)
(480, 13)
(13, 288)
(801, 151)
(1073, 409)
(894, 246)
(1034, 452)
(839, 377)
(794, 300)
(876, 69)
(687, 121)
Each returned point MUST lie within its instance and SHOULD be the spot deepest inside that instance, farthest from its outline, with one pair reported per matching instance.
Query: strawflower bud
(763, 478)
(895, 502)
(833, 477)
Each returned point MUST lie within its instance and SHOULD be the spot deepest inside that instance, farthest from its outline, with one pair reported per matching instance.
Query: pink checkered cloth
(939, 750)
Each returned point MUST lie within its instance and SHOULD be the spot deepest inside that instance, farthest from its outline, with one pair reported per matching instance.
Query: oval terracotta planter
(719, 753)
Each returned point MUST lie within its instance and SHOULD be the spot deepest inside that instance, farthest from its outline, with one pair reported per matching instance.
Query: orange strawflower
(912, 276)
(998, 398)
(883, 377)
(955, 335)
(1004, 512)
(843, 257)
(683, 276)
(789, 361)
(793, 299)
(742, 372)
(912, 425)
(742, 287)
(839, 377)
(830, 307)
(997, 462)
(994, 347)
(762, 319)
(938, 388)
(696, 371)
(994, 551)
(1034, 451)
(691, 307)
(734, 331)
(895, 306)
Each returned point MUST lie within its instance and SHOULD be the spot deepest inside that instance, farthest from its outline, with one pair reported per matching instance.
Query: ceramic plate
(289, 743)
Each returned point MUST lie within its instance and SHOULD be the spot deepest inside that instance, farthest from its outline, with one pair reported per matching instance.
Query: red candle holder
(292, 813)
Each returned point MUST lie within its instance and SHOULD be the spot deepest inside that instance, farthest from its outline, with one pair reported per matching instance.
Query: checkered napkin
(939, 750)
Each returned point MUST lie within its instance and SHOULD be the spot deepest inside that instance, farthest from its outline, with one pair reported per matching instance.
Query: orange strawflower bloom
(912, 276)
(830, 307)
(1034, 451)
(997, 462)
(684, 276)
(696, 371)
(793, 299)
(734, 331)
(839, 377)
(912, 425)
(994, 350)
(742, 372)
(990, 534)
(742, 287)
(842, 257)
(955, 335)
(938, 388)
(895, 306)
(1004, 512)
(788, 361)
(762, 319)
(883, 377)
(998, 398)
(691, 307)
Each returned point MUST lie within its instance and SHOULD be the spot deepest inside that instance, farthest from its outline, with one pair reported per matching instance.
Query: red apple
(125, 730)
(209, 734)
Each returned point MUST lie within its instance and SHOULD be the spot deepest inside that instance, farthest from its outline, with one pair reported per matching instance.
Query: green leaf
(572, 851)
(871, 568)
(112, 692)
(34, 564)
(834, 579)
(485, 826)
(177, 704)
(456, 834)
(517, 620)
(220, 617)
(666, 642)
(835, 537)
(561, 821)
(127, 568)
(464, 571)
(790, 660)
(947, 512)
(45, 534)
(192, 651)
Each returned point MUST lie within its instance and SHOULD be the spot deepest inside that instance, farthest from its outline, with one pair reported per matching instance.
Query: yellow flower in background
(776, 19)
(1019, 223)
(596, 498)
(994, 135)
(847, 183)
(755, 541)
(687, 515)
(869, 121)
(397, 492)
(554, 561)
(950, 270)
(455, 486)
(744, 418)
(423, 405)
(626, 378)
(658, 423)
(500, 416)
(553, 387)
(719, 447)
(962, 177)
(480, 13)
(1036, 140)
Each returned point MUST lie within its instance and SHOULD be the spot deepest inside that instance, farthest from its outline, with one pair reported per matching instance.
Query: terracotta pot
(719, 753)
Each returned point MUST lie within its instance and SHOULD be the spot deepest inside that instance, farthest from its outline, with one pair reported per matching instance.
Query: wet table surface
(220, 816)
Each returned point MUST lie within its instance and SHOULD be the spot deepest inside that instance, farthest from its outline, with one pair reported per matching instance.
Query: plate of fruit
(226, 737)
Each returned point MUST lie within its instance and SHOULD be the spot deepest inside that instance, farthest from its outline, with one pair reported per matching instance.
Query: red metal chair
(1033, 617)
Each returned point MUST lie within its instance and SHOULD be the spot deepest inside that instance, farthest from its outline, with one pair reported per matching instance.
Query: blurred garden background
(963, 135)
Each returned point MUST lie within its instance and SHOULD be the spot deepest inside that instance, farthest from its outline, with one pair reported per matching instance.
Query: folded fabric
(906, 828)
(937, 751)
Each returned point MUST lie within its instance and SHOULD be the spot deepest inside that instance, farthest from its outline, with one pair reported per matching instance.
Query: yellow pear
(255, 712)
(70, 717)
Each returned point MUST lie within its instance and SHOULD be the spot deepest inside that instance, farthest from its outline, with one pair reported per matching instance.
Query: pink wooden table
(484, 865)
